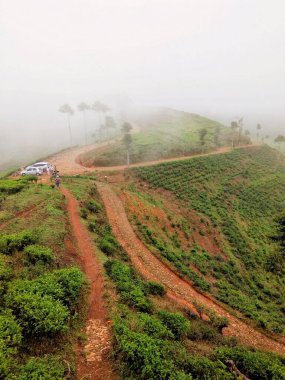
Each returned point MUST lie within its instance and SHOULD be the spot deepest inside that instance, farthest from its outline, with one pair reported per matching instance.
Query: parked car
(30, 170)
(43, 166)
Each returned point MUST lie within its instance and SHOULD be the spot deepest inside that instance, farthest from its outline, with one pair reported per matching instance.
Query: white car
(30, 170)
(43, 166)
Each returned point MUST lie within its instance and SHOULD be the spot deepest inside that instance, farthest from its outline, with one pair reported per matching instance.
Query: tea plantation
(242, 194)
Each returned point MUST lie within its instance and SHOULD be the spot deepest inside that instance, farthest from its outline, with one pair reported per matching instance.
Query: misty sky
(220, 58)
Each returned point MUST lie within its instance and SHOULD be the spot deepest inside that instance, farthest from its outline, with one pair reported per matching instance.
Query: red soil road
(69, 161)
(178, 289)
(93, 362)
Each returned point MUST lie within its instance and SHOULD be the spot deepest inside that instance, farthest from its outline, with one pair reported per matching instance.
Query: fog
(219, 58)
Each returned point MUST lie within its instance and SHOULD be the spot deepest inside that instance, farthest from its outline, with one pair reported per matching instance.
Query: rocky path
(92, 358)
(178, 289)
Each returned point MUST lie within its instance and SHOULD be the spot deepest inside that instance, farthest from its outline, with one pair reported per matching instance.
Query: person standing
(57, 181)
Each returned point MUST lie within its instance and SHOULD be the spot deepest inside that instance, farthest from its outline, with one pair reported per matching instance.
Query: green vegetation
(167, 133)
(239, 195)
(36, 253)
(40, 306)
(10, 243)
(10, 186)
(152, 339)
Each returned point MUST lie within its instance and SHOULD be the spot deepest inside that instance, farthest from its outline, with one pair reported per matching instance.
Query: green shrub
(71, 280)
(10, 186)
(136, 298)
(35, 253)
(10, 243)
(92, 227)
(154, 288)
(200, 330)
(151, 325)
(219, 322)
(175, 322)
(10, 333)
(254, 364)
(129, 287)
(36, 313)
(5, 274)
(42, 369)
(107, 246)
(83, 212)
(144, 357)
(203, 368)
(93, 206)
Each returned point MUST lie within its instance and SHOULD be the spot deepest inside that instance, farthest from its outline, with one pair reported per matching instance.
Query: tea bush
(129, 287)
(10, 243)
(10, 186)
(175, 322)
(38, 314)
(42, 369)
(93, 206)
(154, 288)
(254, 364)
(35, 253)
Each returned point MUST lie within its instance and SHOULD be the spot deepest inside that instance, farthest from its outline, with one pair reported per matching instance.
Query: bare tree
(83, 107)
(65, 108)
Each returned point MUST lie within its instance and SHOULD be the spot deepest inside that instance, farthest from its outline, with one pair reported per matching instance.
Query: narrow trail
(92, 359)
(178, 289)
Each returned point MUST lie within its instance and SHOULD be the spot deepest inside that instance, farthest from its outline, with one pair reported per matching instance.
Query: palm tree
(100, 108)
(65, 108)
(127, 139)
(109, 124)
(82, 107)
(258, 128)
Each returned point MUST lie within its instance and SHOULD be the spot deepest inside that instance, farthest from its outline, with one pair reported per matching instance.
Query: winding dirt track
(93, 362)
(178, 289)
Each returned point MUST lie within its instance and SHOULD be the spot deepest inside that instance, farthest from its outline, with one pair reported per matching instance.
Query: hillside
(216, 220)
(163, 134)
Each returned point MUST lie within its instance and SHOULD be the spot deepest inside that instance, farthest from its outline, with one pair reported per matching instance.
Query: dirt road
(178, 289)
(68, 162)
(92, 359)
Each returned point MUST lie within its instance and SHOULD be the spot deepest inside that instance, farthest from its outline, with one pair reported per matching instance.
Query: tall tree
(202, 136)
(83, 107)
(127, 139)
(65, 108)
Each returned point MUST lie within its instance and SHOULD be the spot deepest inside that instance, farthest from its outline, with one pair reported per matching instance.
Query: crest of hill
(164, 133)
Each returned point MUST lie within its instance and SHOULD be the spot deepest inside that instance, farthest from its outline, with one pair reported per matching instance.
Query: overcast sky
(221, 58)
